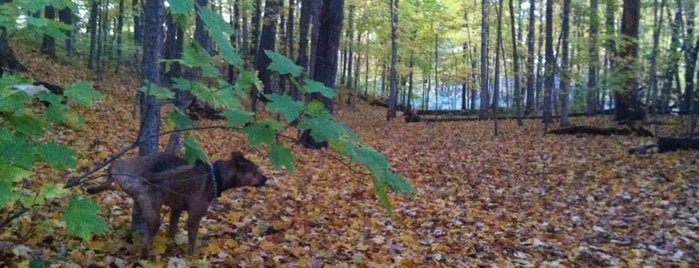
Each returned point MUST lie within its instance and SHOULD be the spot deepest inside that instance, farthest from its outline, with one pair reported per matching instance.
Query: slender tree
(200, 33)
(150, 75)
(690, 55)
(515, 65)
(484, 58)
(531, 68)
(8, 61)
(48, 44)
(654, 101)
(565, 68)
(267, 42)
(550, 62)
(593, 63)
(65, 16)
(94, 34)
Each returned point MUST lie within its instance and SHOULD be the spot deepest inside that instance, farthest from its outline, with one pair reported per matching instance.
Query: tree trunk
(393, 91)
(550, 65)
(565, 69)
(48, 43)
(8, 61)
(267, 42)
(690, 57)
(137, 21)
(653, 99)
(515, 65)
(531, 68)
(94, 32)
(330, 31)
(593, 63)
(255, 31)
(496, 86)
(627, 105)
(484, 59)
(350, 35)
(610, 45)
(150, 74)
(200, 32)
(174, 39)
(119, 30)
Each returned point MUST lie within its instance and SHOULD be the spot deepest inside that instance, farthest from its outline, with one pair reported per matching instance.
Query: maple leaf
(82, 218)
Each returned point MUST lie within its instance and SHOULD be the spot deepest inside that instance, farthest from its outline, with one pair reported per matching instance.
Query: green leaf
(247, 80)
(82, 93)
(82, 218)
(52, 191)
(28, 124)
(323, 128)
(237, 118)
(181, 6)
(225, 49)
(195, 56)
(180, 119)
(227, 97)
(280, 156)
(192, 149)
(283, 65)
(57, 113)
(18, 152)
(57, 156)
(313, 86)
(5, 190)
(380, 191)
(285, 105)
(157, 91)
(259, 133)
(182, 84)
(51, 98)
(214, 22)
(13, 173)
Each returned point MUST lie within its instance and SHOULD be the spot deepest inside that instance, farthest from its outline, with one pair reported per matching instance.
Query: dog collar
(215, 175)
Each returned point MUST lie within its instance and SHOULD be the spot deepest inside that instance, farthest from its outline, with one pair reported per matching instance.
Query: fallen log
(588, 130)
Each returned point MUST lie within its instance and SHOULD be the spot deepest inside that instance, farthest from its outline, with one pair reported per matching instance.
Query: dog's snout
(262, 181)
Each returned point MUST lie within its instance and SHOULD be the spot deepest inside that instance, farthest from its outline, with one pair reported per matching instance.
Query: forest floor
(519, 199)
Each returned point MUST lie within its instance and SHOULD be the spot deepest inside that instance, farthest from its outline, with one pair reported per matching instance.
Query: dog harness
(215, 175)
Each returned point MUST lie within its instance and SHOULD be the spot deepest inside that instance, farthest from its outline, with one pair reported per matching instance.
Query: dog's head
(239, 171)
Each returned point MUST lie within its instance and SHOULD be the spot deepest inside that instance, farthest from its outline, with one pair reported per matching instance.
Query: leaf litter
(519, 199)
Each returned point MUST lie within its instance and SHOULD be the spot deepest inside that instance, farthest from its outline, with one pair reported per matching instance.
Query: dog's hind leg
(193, 228)
(151, 214)
(174, 219)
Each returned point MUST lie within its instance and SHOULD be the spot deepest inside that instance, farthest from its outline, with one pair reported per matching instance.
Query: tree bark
(565, 68)
(200, 33)
(137, 21)
(627, 105)
(690, 56)
(515, 65)
(48, 43)
(330, 31)
(550, 65)
(593, 64)
(119, 30)
(94, 32)
(150, 74)
(496, 86)
(393, 90)
(652, 97)
(267, 42)
(255, 23)
(484, 59)
(531, 68)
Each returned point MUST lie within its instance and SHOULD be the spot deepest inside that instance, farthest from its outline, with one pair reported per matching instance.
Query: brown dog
(152, 183)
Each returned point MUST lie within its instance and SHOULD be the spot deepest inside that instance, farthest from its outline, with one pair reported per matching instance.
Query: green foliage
(281, 156)
(285, 105)
(82, 93)
(192, 150)
(318, 87)
(157, 91)
(22, 143)
(181, 6)
(282, 65)
(82, 218)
